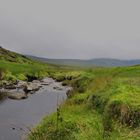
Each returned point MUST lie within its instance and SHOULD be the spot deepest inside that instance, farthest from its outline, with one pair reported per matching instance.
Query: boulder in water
(32, 87)
(17, 96)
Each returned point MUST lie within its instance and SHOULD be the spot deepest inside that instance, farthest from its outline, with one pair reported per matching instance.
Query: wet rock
(32, 87)
(2, 95)
(35, 81)
(58, 88)
(69, 92)
(8, 84)
(47, 80)
(45, 84)
(10, 87)
(22, 84)
(2, 90)
(16, 96)
(32, 92)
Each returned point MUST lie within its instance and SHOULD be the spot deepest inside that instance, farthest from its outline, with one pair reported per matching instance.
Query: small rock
(13, 128)
(32, 87)
(3, 90)
(45, 84)
(16, 96)
(35, 81)
(10, 87)
(21, 84)
(58, 88)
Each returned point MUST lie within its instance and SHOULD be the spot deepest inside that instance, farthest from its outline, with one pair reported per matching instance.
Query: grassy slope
(104, 105)
(13, 57)
(15, 66)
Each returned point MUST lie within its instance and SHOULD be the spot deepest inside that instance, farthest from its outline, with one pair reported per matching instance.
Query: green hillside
(15, 66)
(13, 57)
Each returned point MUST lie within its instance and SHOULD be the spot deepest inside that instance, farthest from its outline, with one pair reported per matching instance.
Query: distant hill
(107, 62)
(114, 62)
(13, 57)
(92, 62)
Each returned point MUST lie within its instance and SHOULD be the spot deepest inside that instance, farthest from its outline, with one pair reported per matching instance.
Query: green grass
(104, 105)
(21, 71)
(77, 123)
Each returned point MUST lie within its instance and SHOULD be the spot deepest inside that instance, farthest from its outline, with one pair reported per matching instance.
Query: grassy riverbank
(14, 66)
(104, 105)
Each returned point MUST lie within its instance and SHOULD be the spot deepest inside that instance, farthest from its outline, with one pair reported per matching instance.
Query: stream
(17, 117)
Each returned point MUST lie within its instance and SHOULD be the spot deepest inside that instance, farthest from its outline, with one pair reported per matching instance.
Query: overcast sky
(71, 28)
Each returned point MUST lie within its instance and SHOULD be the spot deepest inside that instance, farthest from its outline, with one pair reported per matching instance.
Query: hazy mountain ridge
(19, 58)
(91, 62)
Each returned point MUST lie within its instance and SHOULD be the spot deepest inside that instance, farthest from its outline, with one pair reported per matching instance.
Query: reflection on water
(2, 97)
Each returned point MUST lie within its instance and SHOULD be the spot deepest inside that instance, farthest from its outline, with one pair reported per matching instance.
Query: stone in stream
(69, 93)
(2, 94)
(21, 84)
(58, 88)
(17, 96)
(12, 94)
(47, 81)
(45, 84)
(35, 81)
(3, 90)
(32, 87)
(10, 87)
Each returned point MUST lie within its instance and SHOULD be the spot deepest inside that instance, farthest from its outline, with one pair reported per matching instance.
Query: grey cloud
(71, 28)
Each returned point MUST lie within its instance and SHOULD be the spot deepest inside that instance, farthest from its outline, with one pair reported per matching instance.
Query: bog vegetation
(104, 105)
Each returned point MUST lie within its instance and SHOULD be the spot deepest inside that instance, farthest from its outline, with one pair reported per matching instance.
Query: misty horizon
(27, 54)
(68, 58)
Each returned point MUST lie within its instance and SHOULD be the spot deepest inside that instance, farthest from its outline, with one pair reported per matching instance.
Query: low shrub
(9, 77)
(22, 77)
(50, 130)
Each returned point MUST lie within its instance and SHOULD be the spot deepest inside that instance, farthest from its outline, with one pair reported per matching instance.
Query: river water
(17, 117)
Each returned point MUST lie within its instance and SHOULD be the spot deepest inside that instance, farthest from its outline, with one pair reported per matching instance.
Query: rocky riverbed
(23, 89)
(19, 114)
